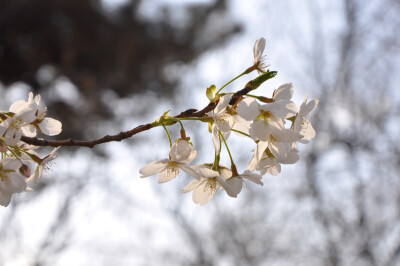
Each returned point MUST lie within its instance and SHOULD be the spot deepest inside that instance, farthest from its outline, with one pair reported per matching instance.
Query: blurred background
(103, 66)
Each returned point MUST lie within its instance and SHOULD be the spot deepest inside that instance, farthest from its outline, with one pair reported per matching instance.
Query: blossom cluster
(24, 118)
(275, 125)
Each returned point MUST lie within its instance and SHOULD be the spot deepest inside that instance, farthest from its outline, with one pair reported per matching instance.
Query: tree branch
(118, 137)
(190, 113)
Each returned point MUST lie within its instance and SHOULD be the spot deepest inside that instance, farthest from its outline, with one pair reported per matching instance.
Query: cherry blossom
(181, 153)
(210, 181)
(301, 123)
(259, 59)
(223, 121)
(10, 180)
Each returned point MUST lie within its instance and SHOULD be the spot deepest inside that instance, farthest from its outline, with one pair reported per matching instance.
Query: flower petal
(204, 193)
(224, 122)
(188, 169)
(192, 185)
(284, 92)
(229, 190)
(153, 168)
(215, 138)
(223, 103)
(14, 183)
(258, 49)
(236, 184)
(259, 130)
(50, 126)
(170, 172)
(5, 198)
(305, 109)
(248, 109)
(255, 178)
(205, 171)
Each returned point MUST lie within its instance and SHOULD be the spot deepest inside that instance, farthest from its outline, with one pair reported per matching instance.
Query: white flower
(223, 121)
(46, 125)
(270, 153)
(259, 59)
(42, 165)
(10, 180)
(301, 124)
(236, 182)
(270, 166)
(24, 118)
(269, 119)
(205, 188)
(181, 153)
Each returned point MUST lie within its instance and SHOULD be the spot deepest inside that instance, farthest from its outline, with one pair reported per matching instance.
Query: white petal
(248, 109)
(305, 109)
(4, 126)
(192, 185)
(260, 149)
(256, 178)
(188, 169)
(17, 106)
(35, 177)
(253, 164)
(169, 173)
(5, 198)
(205, 171)
(227, 187)
(307, 131)
(236, 184)
(270, 166)
(259, 130)
(241, 125)
(225, 173)
(291, 158)
(284, 92)
(223, 103)
(287, 135)
(224, 122)
(50, 126)
(215, 138)
(153, 168)
(182, 152)
(204, 193)
(258, 49)
(28, 130)
(14, 183)
(10, 164)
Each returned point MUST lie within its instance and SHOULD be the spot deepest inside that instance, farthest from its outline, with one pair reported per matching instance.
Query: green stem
(15, 155)
(201, 119)
(261, 98)
(182, 128)
(169, 137)
(244, 73)
(226, 145)
(216, 161)
(242, 133)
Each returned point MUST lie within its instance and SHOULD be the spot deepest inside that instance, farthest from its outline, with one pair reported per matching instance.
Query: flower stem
(226, 145)
(244, 73)
(201, 119)
(169, 137)
(240, 132)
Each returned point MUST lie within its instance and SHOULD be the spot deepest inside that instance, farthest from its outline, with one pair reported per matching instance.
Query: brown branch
(118, 137)
(190, 113)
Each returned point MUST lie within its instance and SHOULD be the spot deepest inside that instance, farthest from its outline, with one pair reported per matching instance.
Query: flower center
(172, 169)
(211, 186)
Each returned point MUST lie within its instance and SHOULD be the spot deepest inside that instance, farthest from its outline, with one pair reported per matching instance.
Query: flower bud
(25, 170)
(210, 92)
